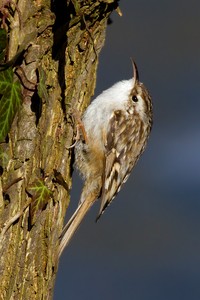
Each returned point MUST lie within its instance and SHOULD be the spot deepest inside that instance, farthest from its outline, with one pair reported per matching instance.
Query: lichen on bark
(53, 49)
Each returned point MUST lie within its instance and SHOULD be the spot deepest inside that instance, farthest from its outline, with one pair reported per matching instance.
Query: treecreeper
(115, 130)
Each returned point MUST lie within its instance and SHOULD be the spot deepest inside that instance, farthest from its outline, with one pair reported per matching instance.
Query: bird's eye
(134, 98)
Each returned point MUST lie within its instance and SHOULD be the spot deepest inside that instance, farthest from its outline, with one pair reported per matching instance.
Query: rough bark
(57, 46)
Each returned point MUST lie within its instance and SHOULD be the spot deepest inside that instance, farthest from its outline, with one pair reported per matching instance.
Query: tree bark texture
(54, 48)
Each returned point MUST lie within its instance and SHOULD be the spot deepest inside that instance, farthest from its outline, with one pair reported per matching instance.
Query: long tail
(73, 224)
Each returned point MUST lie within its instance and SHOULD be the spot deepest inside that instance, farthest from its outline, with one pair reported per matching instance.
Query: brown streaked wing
(122, 152)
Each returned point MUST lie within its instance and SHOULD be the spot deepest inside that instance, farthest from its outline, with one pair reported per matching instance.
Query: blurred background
(147, 244)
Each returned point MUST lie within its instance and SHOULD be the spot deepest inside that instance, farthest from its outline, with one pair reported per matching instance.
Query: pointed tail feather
(73, 224)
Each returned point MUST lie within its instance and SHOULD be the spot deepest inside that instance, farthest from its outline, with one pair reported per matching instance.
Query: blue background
(147, 244)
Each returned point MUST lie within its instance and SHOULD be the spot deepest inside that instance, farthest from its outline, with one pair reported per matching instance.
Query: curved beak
(135, 72)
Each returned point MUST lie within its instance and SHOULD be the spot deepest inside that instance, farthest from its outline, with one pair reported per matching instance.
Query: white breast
(98, 113)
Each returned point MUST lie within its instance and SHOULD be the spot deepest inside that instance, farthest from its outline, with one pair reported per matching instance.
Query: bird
(115, 129)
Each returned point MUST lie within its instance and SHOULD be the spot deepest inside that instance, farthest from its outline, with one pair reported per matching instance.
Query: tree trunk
(53, 49)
